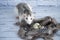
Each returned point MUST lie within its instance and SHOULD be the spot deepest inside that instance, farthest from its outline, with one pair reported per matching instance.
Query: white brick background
(42, 8)
(38, 2)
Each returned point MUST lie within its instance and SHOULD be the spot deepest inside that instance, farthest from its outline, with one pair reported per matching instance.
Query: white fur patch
(29, 19)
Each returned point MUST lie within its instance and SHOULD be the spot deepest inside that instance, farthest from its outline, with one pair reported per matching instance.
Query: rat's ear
(30, 14)
(16, 6)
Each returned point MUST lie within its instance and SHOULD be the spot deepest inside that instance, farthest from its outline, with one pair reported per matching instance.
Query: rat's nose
(29, 22)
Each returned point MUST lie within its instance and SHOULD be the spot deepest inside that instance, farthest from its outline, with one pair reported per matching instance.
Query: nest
(39, 29)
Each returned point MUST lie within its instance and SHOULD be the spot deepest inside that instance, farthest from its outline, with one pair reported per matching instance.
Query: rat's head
(28, 18)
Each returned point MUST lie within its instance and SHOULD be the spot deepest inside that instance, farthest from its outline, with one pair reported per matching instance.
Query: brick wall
(32, 2)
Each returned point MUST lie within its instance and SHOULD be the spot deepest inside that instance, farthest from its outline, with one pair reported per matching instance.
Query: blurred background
(41, 8)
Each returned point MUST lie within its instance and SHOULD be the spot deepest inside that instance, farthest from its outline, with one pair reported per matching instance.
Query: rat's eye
(26, 18)
(31, 18)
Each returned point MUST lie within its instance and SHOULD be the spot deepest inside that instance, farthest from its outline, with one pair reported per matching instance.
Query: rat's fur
(23, 9)
(24, 13)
